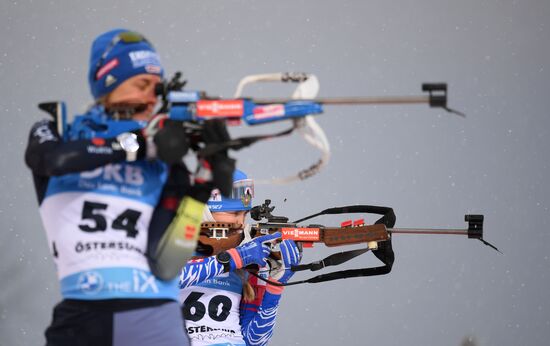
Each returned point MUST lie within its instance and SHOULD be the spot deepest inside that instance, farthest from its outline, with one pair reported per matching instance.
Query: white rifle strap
(307, 126)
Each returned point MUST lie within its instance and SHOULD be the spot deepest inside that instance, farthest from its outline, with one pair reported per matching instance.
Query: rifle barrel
(359, 100)
(428, 231)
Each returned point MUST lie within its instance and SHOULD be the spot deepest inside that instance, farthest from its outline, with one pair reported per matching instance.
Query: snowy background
(431, 167)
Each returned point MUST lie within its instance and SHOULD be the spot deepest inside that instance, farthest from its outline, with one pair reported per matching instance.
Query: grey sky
(431, 167)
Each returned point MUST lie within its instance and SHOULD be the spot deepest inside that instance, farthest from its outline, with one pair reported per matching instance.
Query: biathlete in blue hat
(222, 305)
(118, 204)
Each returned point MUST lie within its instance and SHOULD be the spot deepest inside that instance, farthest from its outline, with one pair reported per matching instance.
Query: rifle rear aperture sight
(262, 211)
(175, 84)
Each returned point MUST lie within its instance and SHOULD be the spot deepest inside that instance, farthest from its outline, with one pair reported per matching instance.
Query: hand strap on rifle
(384, 252)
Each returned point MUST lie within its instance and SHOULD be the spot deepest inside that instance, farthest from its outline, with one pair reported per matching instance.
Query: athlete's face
(139, 89)
(230, 216)
(232, 240)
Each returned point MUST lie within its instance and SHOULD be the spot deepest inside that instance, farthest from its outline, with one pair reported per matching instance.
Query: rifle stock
(330, 236)
(355, 235)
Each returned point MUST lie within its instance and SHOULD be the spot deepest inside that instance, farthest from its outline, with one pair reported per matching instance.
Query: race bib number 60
(218, 309)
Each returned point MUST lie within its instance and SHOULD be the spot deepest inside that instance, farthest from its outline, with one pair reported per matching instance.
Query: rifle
(377, 237)
(192, 108)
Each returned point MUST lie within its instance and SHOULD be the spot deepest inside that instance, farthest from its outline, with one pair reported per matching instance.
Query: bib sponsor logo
(141, 282)
(221, 333)
(123, 174)
(301, 234)
(220, 108)
(217, 282)
(115, 178)
(144, 282)
(85, 247)
(90, 282)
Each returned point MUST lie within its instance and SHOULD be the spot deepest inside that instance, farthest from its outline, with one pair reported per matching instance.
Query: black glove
(171, 142)
(165, 139)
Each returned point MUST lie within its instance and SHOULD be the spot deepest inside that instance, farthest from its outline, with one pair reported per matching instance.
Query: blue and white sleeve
(258, 323)
(199, 270)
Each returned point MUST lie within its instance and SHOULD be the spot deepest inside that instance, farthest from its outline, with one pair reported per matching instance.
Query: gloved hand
(290, 256)
(165, 139)
(253, 252)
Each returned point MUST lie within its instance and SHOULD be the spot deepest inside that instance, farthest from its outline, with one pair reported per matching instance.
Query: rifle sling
(387, 219)
(384, 253)
(332, 260)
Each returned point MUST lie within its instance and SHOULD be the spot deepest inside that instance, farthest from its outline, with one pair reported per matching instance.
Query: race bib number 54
(93, 219)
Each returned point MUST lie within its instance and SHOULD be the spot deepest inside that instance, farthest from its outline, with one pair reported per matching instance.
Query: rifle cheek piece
(475, 226)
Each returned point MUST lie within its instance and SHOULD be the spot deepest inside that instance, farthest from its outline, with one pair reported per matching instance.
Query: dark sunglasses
(124, 37)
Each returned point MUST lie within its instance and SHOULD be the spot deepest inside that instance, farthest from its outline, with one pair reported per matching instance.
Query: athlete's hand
(290, 256)
(166, 139)
(254, 252)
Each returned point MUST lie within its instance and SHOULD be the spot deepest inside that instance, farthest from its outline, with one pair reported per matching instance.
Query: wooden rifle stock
(330, 236)
(355, 235)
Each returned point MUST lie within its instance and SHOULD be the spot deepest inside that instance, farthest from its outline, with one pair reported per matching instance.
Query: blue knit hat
(118, 55)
